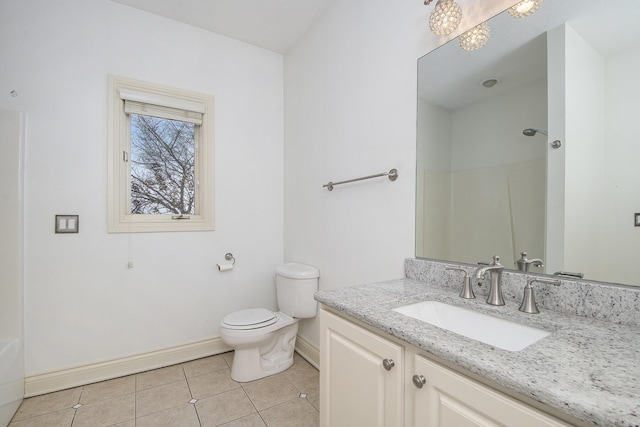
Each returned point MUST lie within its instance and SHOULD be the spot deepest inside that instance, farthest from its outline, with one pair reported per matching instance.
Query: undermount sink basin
(478, 326)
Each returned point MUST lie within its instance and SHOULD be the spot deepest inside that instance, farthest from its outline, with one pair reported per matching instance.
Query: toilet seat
(253, 318)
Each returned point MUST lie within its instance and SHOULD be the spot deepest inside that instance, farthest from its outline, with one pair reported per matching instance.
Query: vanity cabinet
(357, 389)
(449, 399)
(361, 376)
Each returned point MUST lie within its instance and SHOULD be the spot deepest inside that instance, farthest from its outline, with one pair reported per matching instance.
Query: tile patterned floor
(199, 393)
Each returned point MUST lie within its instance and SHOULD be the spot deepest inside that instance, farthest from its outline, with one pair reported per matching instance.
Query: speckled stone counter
(588, 368)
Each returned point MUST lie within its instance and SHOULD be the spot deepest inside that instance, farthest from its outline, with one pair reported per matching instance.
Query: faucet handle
(496, 258)
(529, 300)
(467, 289)
(523, 263)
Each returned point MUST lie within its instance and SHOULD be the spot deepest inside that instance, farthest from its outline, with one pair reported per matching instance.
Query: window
(160, 158)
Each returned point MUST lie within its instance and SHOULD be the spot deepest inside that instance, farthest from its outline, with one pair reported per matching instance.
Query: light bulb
(525, 8)
(445, 18)
(475, 38)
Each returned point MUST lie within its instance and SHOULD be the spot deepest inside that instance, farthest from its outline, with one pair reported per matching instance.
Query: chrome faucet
(524, 263)
(495, 270)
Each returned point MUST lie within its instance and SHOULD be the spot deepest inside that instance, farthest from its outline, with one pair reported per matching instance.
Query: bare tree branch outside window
(162, 166)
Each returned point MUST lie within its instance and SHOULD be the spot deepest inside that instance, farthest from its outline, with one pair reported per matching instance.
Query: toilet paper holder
(229, 257)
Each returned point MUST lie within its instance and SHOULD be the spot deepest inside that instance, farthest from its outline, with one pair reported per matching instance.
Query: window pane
(162, 166)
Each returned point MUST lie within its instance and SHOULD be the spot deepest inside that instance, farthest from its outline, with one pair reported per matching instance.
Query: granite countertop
(587, 368)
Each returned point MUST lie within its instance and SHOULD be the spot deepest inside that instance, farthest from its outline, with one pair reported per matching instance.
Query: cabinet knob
(419, 380)
(388, 364)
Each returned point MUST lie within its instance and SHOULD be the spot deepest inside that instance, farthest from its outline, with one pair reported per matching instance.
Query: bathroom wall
(584, 152)
(620, 186)
(12, 128)
(601, 149)
(596, 167)
(350, 111)
(83, 305)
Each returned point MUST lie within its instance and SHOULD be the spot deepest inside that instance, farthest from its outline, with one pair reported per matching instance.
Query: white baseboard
(48, 382)
(87, 374)
(308, 351)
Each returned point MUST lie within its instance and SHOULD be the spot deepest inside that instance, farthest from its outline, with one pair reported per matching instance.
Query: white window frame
(194, 106)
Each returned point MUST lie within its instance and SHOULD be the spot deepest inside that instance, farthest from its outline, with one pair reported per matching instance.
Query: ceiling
(277, 25)
(271, 24)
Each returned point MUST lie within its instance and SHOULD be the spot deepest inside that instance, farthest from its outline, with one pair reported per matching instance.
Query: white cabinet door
(356, 388)
(449, 399)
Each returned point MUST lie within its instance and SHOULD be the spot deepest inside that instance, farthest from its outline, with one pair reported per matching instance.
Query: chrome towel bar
(392, 174)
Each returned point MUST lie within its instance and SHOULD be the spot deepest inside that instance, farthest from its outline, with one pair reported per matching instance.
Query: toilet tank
(295, 285)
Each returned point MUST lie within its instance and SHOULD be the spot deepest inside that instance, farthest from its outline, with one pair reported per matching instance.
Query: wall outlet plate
(67, 223)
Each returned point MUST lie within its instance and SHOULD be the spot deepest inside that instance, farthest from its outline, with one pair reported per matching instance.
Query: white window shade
(165, 107)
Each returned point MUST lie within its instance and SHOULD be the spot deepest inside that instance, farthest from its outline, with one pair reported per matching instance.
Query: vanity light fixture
(445, 18)
(447, 15)
(475, 38)
(525, 8)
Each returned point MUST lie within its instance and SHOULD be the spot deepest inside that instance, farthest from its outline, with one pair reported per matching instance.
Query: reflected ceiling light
(525, 8)
(475, 38)
(490, 83)
(445, 18)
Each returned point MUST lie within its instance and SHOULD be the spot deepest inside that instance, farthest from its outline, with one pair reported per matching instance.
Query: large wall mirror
(488, 179)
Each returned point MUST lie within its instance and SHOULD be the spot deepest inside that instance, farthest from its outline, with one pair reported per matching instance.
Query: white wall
(82, 303)
(584, 91)
(555, 219)
(620, 157)
(597, 163)
(350, 111)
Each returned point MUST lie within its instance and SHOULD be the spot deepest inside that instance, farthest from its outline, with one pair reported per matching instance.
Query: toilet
(264, 340)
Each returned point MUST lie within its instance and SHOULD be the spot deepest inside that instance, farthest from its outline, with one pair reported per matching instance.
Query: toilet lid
(250, 318)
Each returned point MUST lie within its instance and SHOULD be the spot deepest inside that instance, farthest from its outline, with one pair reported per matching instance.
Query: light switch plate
(636, 217)
(67, 223)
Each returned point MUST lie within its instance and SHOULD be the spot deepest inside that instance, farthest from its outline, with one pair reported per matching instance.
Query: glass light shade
(475, 38)
(445, 18)
(525, 8)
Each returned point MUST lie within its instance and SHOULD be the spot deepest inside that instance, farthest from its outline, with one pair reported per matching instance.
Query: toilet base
(242, 374)
(253, 362)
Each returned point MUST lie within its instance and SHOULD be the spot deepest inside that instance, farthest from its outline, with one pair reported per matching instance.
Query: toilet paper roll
(225, 267)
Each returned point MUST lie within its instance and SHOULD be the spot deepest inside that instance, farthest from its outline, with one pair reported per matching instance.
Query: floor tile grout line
(75, 410)
(195, 408)
(250, 400)
(262, 418)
